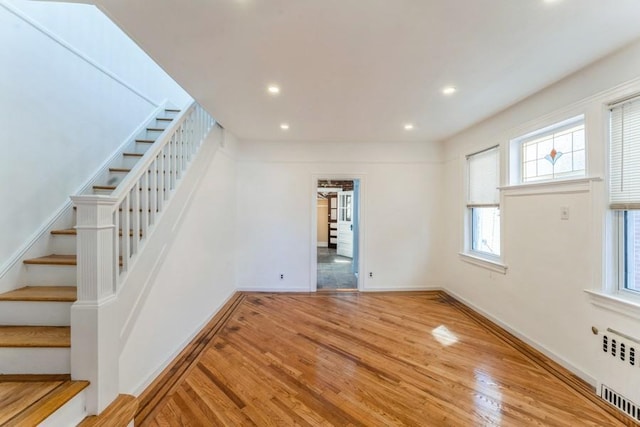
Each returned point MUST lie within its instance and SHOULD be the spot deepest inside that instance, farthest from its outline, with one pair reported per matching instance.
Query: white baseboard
(404, 288)
(323, 244)
(271, 289)
(542, 349)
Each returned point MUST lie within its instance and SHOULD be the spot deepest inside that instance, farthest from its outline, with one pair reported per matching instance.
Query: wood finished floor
(367, 359)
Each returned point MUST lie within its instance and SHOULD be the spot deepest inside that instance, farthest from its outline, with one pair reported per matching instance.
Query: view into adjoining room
(337, 231)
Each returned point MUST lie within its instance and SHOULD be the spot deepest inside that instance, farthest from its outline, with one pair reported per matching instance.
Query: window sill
(487, 263)
(615, 302)
(572, 185)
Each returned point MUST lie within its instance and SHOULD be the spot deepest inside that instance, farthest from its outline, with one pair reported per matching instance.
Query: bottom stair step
(30, 402)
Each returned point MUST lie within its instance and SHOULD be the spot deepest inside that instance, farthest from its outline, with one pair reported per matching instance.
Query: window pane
(530, 170)
(578, 160)
(485, 223)
(578, 139)
(632, 250)
(530, 152)
(563, 143)
(563, 164)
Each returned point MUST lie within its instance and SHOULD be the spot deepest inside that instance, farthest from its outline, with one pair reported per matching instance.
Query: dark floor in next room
(335, 271)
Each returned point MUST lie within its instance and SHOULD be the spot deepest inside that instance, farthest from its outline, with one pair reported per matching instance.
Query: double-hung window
(483, 203)
(624, 191)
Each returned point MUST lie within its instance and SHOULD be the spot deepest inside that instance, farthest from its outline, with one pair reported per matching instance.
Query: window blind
(484, 172)
(624, 182)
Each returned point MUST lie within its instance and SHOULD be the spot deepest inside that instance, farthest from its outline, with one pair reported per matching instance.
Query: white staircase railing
(111, 231)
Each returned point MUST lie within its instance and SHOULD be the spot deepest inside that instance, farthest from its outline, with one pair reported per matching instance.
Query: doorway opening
(338, 229)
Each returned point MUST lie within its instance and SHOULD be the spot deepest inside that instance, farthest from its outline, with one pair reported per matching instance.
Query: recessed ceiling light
(408, 126)
(449, 90)
(284, 126)
(273, 89)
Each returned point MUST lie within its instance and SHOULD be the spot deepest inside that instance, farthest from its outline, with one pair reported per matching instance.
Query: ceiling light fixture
(284, 126)
(408, 126)
(449, 90)
(273, 89)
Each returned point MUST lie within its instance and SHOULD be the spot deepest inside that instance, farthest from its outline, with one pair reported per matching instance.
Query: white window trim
(570, 185)
(618, 302)
(488, 262)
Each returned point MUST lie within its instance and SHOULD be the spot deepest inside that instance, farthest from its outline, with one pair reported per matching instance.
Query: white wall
(550, 261)
(276, 226)
(61, 113)
(185, 274)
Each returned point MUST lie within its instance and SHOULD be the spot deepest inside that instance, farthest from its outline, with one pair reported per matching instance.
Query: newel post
(95, 335)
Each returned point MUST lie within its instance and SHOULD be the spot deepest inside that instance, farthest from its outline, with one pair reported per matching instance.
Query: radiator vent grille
(620, 350)
(620, 402)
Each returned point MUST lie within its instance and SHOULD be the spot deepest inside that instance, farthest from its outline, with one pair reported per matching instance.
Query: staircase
(35, 335)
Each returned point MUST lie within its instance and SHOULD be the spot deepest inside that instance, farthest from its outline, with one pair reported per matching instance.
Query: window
(555, 152)
(631, 251)
(624, 190)
(483, 202)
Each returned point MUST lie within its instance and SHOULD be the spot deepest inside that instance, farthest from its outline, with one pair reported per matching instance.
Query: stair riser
(152, 134)
(34, 360)
(51, 275)
(115, 178)
(64, 245)
(129, 162)
(35, 313)
(70, 414)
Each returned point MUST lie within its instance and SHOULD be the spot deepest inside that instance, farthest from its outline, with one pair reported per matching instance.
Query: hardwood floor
(26, 400)
(418, 359)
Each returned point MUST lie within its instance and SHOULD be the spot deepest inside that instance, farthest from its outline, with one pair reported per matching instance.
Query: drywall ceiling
(359, 70)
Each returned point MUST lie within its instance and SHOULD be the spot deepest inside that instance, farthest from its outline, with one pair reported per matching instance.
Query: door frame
(313, 251)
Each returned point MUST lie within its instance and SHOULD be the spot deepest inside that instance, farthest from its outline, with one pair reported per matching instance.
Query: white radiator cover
(618, 385)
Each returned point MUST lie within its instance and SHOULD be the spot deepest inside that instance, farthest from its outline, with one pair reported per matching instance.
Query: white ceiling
(358, 70)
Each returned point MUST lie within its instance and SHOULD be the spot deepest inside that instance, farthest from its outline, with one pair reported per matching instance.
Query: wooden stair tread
(29, 378)
(35, 408)
(119, 413)
(146, 141)
(164, 119)
(41, 293)
(64, 232)
(104, 187)
(74, 232)
(155, 129)
(35, 336)
(133, 154)
(53, 260)
(125, 170)
(172, 110)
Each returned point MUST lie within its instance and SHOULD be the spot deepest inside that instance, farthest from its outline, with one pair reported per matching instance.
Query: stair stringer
(135, 286)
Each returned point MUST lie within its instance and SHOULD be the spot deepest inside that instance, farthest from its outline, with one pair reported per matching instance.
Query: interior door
(333, 220)
(345, 224)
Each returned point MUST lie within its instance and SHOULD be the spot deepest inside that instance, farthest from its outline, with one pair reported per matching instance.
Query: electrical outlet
(370, 274)
(564, 212)
(281, 276)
